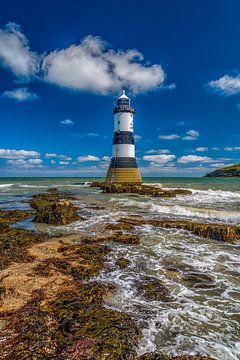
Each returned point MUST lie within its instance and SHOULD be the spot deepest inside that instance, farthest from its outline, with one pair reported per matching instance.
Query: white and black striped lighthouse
(123, 167)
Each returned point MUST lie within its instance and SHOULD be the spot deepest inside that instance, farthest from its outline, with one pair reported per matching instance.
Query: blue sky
(62, 64)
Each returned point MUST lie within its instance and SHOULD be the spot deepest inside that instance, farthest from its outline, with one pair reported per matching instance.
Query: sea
(202, 320)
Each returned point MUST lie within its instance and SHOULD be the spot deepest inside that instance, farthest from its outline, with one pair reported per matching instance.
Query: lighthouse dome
(123, 100)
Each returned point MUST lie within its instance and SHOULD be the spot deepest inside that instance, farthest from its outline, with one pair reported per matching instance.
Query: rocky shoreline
(52, 306)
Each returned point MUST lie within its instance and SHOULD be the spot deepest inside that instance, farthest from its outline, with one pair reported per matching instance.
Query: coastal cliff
(228, 171)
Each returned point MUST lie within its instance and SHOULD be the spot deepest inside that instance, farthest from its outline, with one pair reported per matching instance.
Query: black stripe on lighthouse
(123, 137)
(123, 162)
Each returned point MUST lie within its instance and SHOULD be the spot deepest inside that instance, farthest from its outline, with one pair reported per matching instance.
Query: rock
(227, 171)
(122, 263)
(129, 239)
(198, 280)
(172, 273)
(119, 226)
(53, 190)
(73, 326)
(8, 217)
(51, 209)
(227, 233)
(138, 189)
(14, 243)
(154, 290)
(96, 184)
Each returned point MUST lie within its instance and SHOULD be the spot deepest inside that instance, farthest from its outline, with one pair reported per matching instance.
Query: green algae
(129, 239)
(54, 208)
(81, 261)
(119, 226)
(154, 290)
(122, 263)
(219, 232)
(138, 189)
(73, 326)
(13, 241)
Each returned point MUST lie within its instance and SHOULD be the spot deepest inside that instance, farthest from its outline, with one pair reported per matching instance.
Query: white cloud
(25, 163)
(15, 53)
(63, 162)
(137, 137)
(232, 148)
(62, 157)
(67, 122)
(169, 137)
(106, 158)
(226, 85)
(50, 155)
(159, 159)
(53, 162)
(193, 158)
(217, 165)
(17, 154)
(20, 94)
(159, 151)
(215, 148)
(87, 158)
(191, 135)
(93, 66)
(201, 148)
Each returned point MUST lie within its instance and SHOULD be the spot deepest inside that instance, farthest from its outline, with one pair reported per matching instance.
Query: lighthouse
(123, 167)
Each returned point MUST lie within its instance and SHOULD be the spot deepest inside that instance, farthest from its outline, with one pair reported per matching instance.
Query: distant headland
(227, 171)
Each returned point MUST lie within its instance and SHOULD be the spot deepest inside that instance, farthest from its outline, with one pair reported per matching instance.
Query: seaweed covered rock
(119, 226)
(198, 280)
(138, 189)
(157, 356)
(14, 242)
(52, 209)
(154, 290)
(73, 326)
(130, 239)
(8, 217)
(221, 232)
(123, 263)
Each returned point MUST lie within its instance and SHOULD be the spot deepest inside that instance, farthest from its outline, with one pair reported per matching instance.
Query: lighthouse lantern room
(123, 167)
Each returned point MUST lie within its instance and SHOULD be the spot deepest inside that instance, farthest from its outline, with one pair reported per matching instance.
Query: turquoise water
(204, 320)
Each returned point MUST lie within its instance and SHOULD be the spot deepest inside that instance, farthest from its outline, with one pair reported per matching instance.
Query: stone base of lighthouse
(123, 170)
(130, 176)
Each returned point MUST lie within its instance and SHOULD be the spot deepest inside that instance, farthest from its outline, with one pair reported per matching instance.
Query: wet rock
(96, 184)
(154, 290)
(220, 232)
(53, 190)
(8, 217)
(73, 326)
(14, 243)
(129, 239)
(51, 209)
(119, 226)
(123, 263)
(88, 260)
(172, 273)
(138, 189)
(227, 233)
(198, 280)
(156, 356)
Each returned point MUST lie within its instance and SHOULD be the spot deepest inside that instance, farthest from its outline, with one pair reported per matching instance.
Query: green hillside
(228, 171)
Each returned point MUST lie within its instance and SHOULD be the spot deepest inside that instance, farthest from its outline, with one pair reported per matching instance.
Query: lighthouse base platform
(124, 175)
